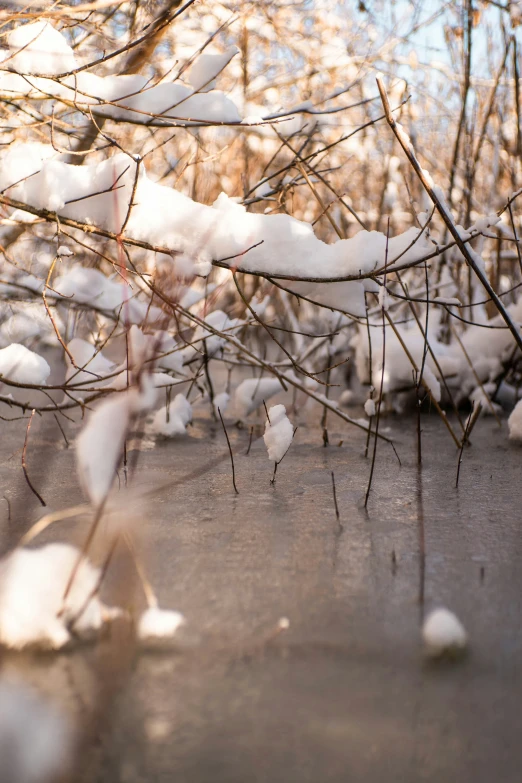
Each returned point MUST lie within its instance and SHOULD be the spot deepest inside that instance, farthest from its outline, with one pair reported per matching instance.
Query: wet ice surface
(345, 693)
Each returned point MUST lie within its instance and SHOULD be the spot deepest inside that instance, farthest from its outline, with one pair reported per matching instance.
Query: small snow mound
(221, 401)
(20, 365)
(63, 250)
(515, 422)
(32, 586)
(156, 624)
(443, 632)
(369, 407)
(203, 73)
(252, 119)
(279, 433)
(39, 48)
(174, 422)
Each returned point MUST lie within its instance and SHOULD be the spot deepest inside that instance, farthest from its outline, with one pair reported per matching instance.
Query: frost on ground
(253, 262)
(443, 633)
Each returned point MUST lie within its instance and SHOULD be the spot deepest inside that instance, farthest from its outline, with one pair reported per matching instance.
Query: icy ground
(345, 692)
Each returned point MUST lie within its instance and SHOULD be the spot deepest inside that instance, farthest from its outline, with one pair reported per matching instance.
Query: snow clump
(156, 624)
(174, 422)
(279, 433)
(443, 633)
(32, 607)
(515, 422)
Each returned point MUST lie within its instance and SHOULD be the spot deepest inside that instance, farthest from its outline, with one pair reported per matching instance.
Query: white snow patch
(20, 365)
(156, 624)
(251, 393)
(515, 422)
(279, 433)
(369, 407)
(221, 401)
(32, 586)
(40, 49)
(443, 632)
(207, 67)
(175, 421)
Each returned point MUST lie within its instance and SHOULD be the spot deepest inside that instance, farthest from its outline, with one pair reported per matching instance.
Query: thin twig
(230, 451)
(472, 420)
(337, 514)
(24, 463)
(445, 214)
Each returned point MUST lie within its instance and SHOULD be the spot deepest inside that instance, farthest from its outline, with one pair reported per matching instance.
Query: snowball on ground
(174, 422)
(515, 422)
(156, 624)
(443, 632)
(32, 586)
(279, 433)
(20, 365)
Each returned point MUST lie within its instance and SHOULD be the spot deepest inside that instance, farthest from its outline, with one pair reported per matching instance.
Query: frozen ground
(344, 693)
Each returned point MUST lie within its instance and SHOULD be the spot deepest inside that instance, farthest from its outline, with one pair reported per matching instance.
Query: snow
(169, 356)
(483, 394)
(431, 381)
(251, 393)
(175, 421)
(35, 736)
(398, 370)
(45, 50)
(515, 422)
(157, 624)
(443, 632)
(221, 401)
(29, 320)
(168, 219)
(369, 407)
(279, 433)
(206, 68)
(40, 49)
(63, 251)
(20, 365)
(99, 445)
(95, 364)
(213, 344)
(91, 287)
(32, 586)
